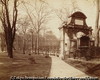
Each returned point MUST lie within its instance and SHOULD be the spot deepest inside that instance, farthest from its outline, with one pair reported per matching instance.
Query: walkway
(61, 69)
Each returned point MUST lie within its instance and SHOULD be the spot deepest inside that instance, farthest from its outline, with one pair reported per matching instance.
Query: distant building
(75, 34)
(50, 42)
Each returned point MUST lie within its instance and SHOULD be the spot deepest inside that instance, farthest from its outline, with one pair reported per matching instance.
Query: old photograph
(49, 39)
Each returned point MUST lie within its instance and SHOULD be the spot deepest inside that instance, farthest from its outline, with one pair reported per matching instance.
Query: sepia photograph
(49, 39)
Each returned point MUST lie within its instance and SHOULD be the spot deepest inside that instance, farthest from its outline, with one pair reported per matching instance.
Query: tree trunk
(24, 47)
(97, 26)
(35, 44)
(38, 42)
(32, 42)
(10, 51)
(10, 44)
(98, 38)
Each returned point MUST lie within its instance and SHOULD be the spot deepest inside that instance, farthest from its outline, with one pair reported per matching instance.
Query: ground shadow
(21, 66)
(88, 67)
(95, 70)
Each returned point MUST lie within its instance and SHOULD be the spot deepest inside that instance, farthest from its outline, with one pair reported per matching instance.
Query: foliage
(91, 53)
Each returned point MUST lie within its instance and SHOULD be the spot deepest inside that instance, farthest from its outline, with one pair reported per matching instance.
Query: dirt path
(61, 69)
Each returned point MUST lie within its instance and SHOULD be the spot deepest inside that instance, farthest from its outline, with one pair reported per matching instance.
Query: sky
(86, 6)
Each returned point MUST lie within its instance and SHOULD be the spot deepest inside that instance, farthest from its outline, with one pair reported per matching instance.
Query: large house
(75, 34)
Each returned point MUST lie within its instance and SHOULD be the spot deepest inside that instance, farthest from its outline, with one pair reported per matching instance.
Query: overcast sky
(86, 6)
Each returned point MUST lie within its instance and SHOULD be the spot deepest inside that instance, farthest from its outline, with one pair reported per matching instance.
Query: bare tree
(8, 25)
(23, 26)
(65, 11)
(39, 15)
(97, 28)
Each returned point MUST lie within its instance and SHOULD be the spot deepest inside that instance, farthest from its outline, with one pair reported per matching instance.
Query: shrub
(97, 51)
(93, 52)
(76, 53)
(88, 53)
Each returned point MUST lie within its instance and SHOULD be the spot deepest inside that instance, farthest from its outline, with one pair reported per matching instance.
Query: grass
(91, 68)
(20, 66)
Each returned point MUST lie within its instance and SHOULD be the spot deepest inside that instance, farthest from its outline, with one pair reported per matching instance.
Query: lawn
(91, 68)
(20, 66)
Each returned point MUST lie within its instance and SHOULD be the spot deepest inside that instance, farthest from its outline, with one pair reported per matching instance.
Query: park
(46, 38)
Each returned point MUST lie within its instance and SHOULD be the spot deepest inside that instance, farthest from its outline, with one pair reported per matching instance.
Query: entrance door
(84, 41)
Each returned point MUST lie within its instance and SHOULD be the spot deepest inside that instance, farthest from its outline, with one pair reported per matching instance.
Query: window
(78, 22)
